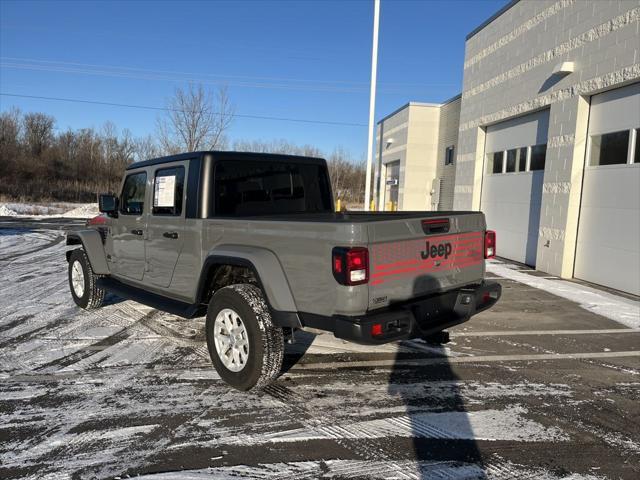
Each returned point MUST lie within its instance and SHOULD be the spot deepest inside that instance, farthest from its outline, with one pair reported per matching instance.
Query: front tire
(83, 282)
(246, 348)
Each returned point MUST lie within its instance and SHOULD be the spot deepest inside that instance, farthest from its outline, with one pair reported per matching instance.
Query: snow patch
(53, 210)
(509, 424)
(617, 308)
(375, 470)
(84, 211)
(6, 211)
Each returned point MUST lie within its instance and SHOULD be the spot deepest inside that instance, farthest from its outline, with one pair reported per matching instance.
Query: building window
(522, 159)
(609, 149)
(538, 155)
(511, 160)
(636, 155)
(448, 155)
(516, 160)
(494, 162)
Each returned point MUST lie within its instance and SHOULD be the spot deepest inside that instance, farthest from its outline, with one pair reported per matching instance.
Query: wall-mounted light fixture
(390, 142)
(564, 68)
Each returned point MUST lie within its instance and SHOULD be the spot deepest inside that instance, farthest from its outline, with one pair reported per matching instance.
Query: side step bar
(159, 302)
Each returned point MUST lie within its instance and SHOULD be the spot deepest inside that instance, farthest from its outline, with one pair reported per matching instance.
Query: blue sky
(288, 59)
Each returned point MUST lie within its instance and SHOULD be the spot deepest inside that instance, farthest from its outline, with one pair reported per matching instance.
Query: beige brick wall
(396, 127)
(508, 72)
(448, 136)
(419, 170)
(420, 133)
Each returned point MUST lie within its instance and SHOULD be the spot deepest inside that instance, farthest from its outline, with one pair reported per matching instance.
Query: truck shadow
(294, 352)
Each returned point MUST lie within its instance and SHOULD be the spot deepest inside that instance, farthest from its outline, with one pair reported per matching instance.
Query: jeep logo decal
(433, 251)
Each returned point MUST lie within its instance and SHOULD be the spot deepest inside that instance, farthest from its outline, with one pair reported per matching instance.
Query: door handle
(137, 232)
(173, 235)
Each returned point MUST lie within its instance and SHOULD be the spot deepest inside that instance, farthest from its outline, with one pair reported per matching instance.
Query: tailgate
(416, 257)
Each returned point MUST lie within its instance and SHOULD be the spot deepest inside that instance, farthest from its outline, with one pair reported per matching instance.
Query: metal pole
(372, 103)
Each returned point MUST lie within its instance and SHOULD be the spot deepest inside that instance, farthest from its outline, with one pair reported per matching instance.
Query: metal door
(165, 228)
(128, 229)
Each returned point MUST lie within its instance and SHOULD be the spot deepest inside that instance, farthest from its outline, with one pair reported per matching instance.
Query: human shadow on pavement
(424, 379)
(441, 430)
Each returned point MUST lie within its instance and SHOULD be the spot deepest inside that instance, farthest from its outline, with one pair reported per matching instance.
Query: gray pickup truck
(252, 242)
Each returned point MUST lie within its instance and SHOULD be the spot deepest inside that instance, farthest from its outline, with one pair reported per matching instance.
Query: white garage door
(515, 153)
(608, 249)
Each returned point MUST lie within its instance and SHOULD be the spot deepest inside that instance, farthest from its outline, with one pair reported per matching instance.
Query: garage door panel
(608, 248)
(608, 245)
(512, 201)
(511, 204)
(519, 132)
(615, 110)
(611, 226)
(612, 187)
(609, 266)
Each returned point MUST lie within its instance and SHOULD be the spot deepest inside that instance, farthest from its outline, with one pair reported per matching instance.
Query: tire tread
(96, 295)
(272, 337)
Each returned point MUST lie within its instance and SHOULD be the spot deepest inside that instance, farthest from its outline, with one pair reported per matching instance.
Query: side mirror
(108, 204)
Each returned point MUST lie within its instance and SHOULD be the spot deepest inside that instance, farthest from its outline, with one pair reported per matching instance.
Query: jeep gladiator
(252, 242)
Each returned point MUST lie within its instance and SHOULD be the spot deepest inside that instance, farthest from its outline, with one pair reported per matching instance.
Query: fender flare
(268, 272)
(91, 242)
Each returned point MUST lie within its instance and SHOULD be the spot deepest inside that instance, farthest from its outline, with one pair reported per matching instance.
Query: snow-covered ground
(127, 390)
(50, 210)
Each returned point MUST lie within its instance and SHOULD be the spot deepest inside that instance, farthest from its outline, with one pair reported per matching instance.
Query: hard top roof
(227, 155)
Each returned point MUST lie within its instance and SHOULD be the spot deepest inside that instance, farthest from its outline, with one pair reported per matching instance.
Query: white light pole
(372, 103)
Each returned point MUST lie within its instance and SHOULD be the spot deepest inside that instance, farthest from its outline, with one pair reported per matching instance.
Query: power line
(331, 86)
(165, 109)
(169, 78)
(36, 61)
(174, 72)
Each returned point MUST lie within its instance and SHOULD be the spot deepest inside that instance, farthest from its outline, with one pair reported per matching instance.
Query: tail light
(99, 220)
(376, 329)
(350, 265)
(489, 244)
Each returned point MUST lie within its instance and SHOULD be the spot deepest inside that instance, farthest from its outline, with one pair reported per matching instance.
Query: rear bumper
(412, 319)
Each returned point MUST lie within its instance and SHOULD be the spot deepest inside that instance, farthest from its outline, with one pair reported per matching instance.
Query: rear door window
(133, 190)
(249, 188)
(168, 189)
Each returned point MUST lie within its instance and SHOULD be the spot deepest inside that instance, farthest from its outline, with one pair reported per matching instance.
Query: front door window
(132, 198)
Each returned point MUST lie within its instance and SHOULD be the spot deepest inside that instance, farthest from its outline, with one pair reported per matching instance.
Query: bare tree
(196, 119)
(276, 146)
(10, 128)
(38, 132)
(146, 148)
(36, 163)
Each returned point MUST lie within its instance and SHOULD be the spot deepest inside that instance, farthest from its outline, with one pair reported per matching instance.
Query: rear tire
(83, 282)
(246, 348)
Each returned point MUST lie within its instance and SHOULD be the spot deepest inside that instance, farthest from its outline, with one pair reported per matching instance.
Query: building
(548, 141)
(420, 139)
(548, 136)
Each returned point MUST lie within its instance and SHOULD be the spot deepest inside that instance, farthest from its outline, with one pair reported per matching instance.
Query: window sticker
(164, 194)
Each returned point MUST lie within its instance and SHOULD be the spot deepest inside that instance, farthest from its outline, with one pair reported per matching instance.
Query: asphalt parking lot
(544, 385)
